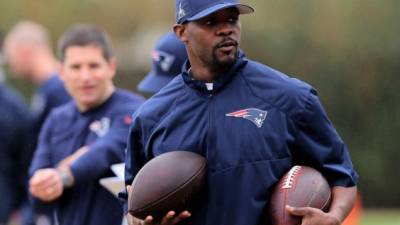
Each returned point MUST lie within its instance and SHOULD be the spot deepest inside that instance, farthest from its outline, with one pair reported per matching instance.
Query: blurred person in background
(30, 57)
(2, 73)
(82, 139)
(15, 147)
(168, 57)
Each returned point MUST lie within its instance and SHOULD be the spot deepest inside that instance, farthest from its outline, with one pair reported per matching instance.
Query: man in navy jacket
(251, 122)
(82, 139)
(32, 60)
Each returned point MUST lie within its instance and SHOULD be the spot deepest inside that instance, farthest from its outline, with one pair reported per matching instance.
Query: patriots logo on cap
(257, 116)
(181, 12)
(163, 59)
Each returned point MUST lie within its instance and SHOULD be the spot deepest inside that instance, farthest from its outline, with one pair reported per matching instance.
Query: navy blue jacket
(254, 125)
(14, 150)
(104, 129)
(49, 95)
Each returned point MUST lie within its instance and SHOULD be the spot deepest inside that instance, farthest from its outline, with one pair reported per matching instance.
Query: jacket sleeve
(42, 159)
(42, 155)
(319, 145)
(135, 156)
(104, 152)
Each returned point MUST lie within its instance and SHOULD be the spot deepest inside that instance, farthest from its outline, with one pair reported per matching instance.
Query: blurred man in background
(30, 57)
(168, 57)
(82, 139)
(14, 147)
(2, 73)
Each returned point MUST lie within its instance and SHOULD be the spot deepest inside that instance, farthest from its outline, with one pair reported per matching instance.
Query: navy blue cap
(191, 10)
(168, 57)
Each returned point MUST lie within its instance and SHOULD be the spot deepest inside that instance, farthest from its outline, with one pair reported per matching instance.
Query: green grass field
(381, 217)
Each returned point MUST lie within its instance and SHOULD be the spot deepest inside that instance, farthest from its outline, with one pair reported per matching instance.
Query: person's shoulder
(54, 83)
(125, 99)
(163, 101)
(54, 92)
(123, 95)
(63, 111)
(275, 87)
(9, 95)
(12, 101)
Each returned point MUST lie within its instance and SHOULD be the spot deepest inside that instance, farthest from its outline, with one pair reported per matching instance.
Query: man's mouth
(227, 46)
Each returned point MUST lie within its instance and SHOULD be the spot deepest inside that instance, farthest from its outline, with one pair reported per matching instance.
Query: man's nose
(85, 74)
(225, 29)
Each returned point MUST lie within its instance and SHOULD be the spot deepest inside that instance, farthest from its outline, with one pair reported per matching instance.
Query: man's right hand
(46, 184)
(169, 219)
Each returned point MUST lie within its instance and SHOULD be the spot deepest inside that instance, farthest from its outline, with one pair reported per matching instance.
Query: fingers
(46, 184)
(168, 219)
(129, 188)
(299, 211)
(44, 179)
(183, 215)
(39, 177)
(148, 220)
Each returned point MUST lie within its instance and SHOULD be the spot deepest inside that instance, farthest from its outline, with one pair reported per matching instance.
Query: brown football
(167, 182)
(301, 186)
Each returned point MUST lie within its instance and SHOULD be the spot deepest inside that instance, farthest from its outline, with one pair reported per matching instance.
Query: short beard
(224, 65)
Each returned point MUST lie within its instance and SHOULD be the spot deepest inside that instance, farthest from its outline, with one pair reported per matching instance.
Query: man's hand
(46, 184)
(169, 219)
(313, 216)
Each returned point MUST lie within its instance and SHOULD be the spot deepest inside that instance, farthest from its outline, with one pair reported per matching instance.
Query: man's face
(18, 57)
(214, 40)
(87, 75)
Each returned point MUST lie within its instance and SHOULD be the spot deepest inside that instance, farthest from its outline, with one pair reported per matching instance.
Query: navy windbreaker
(254, 125)
(104, 130)
(15, 150)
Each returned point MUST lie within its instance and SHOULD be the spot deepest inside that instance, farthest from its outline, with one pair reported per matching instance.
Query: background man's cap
(168, 58)
(191, 10)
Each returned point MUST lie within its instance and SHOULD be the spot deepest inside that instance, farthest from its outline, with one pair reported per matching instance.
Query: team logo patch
(163, 59)
(100, 127)
(257, 116)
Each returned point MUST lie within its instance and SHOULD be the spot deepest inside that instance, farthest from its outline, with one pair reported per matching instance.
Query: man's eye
(233, 20)
(94, 65)
(75, 67)
(209, 22)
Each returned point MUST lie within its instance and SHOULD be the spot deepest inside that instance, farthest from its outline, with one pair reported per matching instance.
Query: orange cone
(355, 214)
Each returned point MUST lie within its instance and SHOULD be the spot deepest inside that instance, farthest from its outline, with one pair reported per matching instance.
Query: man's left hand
(313, 216)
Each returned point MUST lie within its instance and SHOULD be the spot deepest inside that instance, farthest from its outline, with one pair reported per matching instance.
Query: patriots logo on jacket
(257, 116)
(100, 127)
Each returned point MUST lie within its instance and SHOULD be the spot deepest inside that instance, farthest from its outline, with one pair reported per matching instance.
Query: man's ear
(113, 66)
(61, 71)
(180, 32)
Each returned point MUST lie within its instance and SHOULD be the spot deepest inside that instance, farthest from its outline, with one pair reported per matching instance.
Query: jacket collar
(220, 80)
